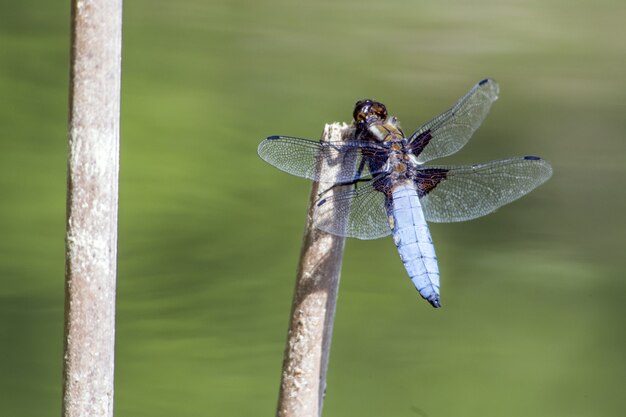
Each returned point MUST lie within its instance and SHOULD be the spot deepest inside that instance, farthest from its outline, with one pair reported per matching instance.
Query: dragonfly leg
(343, 183)
(356, 179)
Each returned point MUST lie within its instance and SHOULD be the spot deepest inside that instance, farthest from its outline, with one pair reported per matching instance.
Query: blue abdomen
(412, 237)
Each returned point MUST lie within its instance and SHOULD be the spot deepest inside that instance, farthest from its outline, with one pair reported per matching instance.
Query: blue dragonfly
(380, 185)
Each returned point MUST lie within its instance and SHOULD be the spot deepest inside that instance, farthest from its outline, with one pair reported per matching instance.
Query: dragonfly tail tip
(434, 301)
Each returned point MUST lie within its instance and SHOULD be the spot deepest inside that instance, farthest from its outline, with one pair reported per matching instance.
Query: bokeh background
(209, 235)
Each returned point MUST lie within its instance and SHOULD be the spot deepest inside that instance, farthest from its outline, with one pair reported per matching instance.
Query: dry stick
(91, 240)
(306, 355)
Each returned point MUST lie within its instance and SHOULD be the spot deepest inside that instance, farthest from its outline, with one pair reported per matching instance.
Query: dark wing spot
(419, 143)
(322, 201)
(532, 158)
(383, 184)
(483, 82)
(427, 179)
(273, 137)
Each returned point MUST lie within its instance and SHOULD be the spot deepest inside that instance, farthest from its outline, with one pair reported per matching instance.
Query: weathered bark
(305, 361)
(91, 240)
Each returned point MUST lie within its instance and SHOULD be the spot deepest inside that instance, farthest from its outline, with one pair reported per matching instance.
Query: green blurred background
(209, 236)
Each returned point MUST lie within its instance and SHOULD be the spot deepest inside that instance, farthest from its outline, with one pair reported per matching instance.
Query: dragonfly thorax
(400, 168)
(387, 131)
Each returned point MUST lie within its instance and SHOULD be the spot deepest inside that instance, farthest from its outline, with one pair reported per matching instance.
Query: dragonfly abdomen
(412, 237)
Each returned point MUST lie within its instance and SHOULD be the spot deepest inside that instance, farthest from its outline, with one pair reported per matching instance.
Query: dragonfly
(381, 186)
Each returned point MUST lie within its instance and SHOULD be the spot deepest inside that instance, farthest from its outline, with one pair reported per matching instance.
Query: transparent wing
(450, 131)
(302, 157)
(357, 212)
(467, 192)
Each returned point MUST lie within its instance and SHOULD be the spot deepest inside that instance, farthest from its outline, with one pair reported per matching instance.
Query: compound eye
(379, 110)
(361, 110)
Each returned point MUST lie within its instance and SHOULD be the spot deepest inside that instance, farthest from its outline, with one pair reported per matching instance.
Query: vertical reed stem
(306, 355)
(91, 234)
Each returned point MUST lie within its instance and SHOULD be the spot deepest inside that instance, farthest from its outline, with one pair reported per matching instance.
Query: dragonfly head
(368, 111)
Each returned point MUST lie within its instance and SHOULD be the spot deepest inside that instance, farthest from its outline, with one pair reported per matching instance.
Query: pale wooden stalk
(305, 363)
(91, 239)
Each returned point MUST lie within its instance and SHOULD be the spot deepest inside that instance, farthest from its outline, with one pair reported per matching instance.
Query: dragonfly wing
(454, 194)
(356, 212)
(303, 157)
(450, 131)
